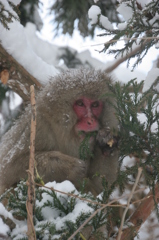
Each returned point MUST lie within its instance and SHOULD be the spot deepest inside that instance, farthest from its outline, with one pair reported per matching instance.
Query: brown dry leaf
(4, 75)
(110, 142)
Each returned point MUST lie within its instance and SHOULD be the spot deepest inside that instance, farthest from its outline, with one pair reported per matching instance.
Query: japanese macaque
(69, 108)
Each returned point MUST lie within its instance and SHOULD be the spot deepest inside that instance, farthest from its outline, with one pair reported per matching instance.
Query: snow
(15, 2)
(143, 3)
(125, 11)
(49, 214)
(16, 43)
(4, 229)
(94, 13)
(8, 8)
(122, 26)
(150, 79)
(105, 22)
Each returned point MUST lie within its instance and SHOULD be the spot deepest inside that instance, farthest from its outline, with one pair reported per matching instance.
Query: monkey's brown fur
(57, 145)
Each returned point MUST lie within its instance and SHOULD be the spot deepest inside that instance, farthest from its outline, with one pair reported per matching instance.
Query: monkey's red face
(88, 112)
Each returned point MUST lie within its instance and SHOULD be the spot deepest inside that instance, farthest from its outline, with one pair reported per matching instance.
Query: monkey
(72, 105)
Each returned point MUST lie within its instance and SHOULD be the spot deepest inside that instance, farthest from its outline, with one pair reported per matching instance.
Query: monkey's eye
(95, 104)
(79, 103)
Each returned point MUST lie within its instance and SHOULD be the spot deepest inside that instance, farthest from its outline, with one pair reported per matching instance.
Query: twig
(105, 205)
(124, 39)
(127, 56)
(90, 201)
(88, 219)
(31, 188)
(128, 203)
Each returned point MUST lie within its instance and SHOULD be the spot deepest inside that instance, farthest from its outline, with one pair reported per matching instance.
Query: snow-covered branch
(19, 78)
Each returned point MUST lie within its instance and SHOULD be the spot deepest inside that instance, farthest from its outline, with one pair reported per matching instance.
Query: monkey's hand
(57, 166)
(106, 140)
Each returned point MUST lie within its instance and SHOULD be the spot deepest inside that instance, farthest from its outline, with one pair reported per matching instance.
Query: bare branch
(88, 200)
(126, 57)
(31, 186)
(105, 205)
(128, 203)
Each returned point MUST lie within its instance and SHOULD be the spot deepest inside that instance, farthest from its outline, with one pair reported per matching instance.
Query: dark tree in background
(68, 13)
(27, 9)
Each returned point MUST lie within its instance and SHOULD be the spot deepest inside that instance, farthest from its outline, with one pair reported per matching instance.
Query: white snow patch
(150, 79)
(105, 22)
(144, 3)
(125, 11)
(15, 2)
(93, 13)
(122, 26)
(4, 229)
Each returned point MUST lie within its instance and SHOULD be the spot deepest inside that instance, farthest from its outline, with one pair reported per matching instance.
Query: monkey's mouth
(86, 144)
(90, 136)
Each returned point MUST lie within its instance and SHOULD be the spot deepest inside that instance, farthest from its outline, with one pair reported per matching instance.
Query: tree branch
(19, 80)
(31, 186)
(128, 203)
(126, 57)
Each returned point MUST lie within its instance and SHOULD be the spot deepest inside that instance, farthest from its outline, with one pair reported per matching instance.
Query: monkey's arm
(57, 166)
(51, 165)
(105, 161)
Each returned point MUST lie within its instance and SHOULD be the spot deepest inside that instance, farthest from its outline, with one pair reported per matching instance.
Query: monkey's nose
(87, 125)
(90, 121)
(92, 124)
